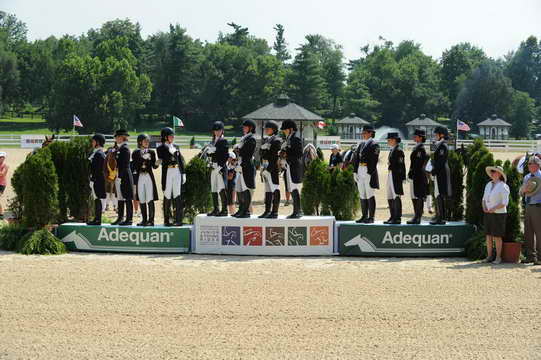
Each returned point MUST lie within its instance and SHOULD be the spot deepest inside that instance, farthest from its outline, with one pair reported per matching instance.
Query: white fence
(184, 141)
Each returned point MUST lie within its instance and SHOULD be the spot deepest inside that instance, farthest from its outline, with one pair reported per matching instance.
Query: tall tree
(12, 31)
(457, 64)
(524, 68)
(305, 82)
(280, 44)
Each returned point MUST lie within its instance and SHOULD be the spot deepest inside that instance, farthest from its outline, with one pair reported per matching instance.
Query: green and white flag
(177, 122)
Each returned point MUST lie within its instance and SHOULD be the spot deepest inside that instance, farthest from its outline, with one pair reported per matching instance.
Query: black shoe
(528, 261)
(129, 214)
(247, 201)
(371, 210)
(166, 212)
(151, 213)
(397, 211)
(94, 222)
(240, 200)
(364, 211)
(179, 211)
(126, 223)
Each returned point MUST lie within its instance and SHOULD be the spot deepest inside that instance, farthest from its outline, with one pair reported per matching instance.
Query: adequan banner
(403, 240)
(108, 238)
(309, 235)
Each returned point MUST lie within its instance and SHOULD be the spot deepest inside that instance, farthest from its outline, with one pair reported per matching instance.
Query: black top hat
(441, 130)
(420, 132)
(393, 135)
(121, 132)
(369, 128)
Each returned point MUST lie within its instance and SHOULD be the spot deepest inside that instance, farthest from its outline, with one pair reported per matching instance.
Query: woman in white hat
(495, 200)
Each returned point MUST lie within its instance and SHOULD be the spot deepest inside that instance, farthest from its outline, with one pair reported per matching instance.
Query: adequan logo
(134, 236)
(418, 239)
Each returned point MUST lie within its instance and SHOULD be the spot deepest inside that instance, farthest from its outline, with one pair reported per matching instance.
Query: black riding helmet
(251, 124)
(272, 125)
(218, 125)
(288, 124)
(166, 131)
(99, 138)
(142, 137)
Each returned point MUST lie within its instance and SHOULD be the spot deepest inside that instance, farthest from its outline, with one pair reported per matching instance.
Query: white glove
(356, 177)
(211, 149)
(238, 168)
(146, 156)
(183, 179)
(265, 146)
(158, 162)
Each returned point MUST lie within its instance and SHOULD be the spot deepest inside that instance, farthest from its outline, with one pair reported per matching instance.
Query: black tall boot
(151, 213)
(215, 209)
(268, 200)
(223, 198)
(417, 217)
(240, 200)
(275, 204)
(97, 213)
(391, 203)
(247, 199)
(167, 212)
(371, 210)
(129, 213)
(397, 211)
(297, 213)
(439, 219)
(144, 215)
(364, 210)
(120, 217)
(179, 211)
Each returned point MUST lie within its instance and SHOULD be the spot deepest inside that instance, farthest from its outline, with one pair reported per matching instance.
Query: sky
(497, 26)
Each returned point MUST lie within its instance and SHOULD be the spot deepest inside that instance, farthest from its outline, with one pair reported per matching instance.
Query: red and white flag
(462, 126)
(77, 122)
(321, 124)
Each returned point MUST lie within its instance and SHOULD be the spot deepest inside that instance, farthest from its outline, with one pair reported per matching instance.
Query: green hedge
(197, 195)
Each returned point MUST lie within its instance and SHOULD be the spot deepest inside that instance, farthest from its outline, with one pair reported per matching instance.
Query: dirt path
(89, 306)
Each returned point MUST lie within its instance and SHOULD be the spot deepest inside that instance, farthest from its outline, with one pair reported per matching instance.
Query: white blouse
(496, 194)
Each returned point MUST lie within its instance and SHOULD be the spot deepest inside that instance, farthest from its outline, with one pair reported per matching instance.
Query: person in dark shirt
(418, 176)
(336, 160)
(270, 169)
(144, 161)
(97, 177)
(124, 181)
(219, 153)
(365, 172)
(395, 178)
(173, 177)
(441, 174)
(291, 152)
(245, 184)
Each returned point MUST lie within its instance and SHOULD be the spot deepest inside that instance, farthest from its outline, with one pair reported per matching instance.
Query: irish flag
(177, 122)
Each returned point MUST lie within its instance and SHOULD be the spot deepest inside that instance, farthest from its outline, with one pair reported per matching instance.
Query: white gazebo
(423, 123)
(350, 127)
(494, 128)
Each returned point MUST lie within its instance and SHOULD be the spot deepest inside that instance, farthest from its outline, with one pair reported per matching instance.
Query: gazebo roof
(422, 120)
(283, 109)
(352, 119)
(494, 121)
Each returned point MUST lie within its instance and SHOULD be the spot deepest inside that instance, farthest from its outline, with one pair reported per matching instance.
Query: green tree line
(112, 77)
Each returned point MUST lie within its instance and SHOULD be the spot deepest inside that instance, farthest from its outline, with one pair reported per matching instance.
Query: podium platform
(108, 238)
(380, 239)
(309, 235)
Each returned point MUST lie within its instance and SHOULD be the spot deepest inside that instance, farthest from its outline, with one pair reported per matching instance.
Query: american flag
(462, 126)
(77, 122)
(321, 124)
